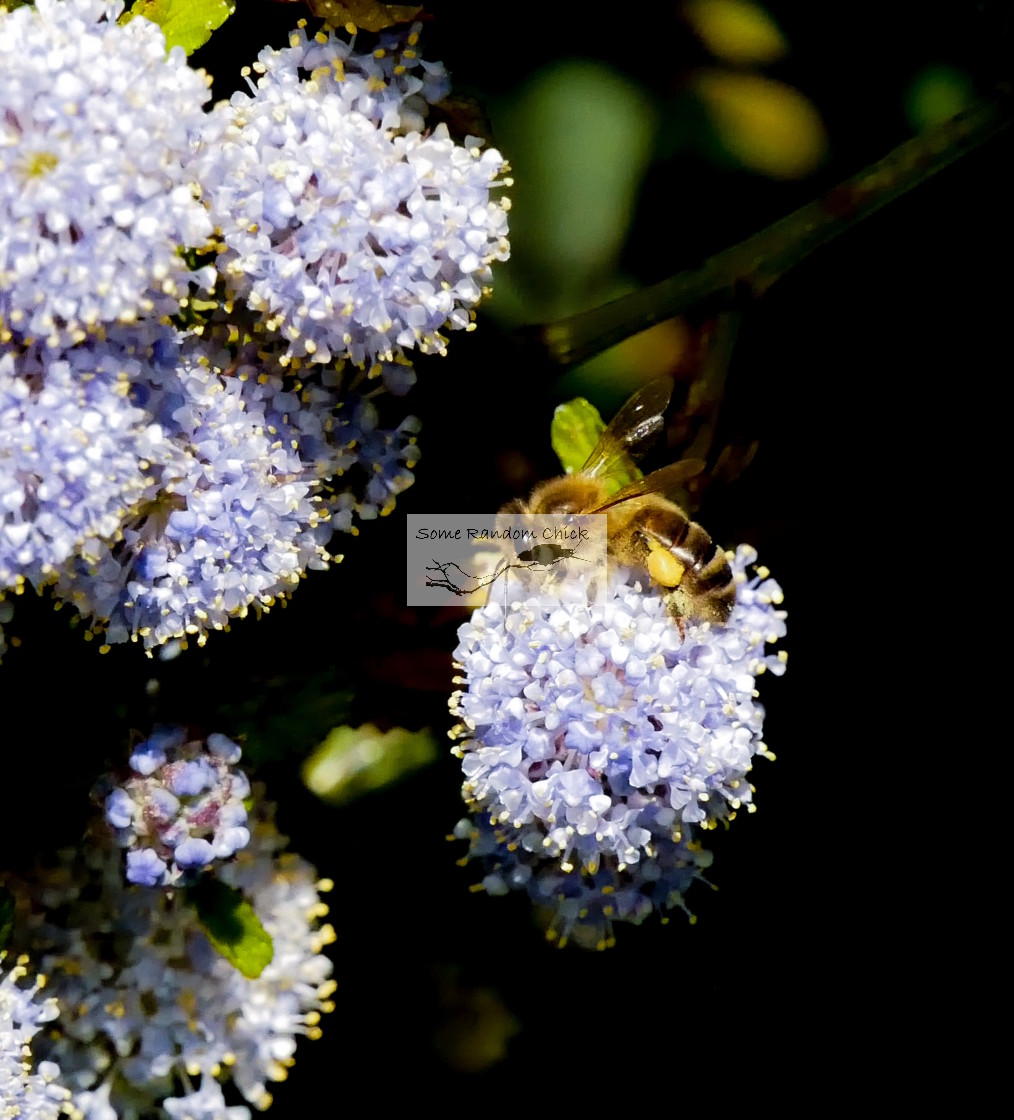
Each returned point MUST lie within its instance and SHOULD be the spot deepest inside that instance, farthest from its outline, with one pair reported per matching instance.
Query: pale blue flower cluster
(163, 487)
(168, 464)
(594, 736)
(205, 1103)
(152, 1018)
(97, 129)
(26, 1092)
(582, 908)
(73, 449)
(352, 233)
(182, 808)
(230, 516)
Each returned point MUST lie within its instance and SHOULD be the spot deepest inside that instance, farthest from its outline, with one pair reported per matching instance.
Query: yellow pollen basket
(663, 567)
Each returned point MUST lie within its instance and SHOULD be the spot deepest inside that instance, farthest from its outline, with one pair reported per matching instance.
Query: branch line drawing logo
(540, 558)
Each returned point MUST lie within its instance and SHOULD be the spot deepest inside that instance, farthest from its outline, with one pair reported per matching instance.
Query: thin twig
(748, 269)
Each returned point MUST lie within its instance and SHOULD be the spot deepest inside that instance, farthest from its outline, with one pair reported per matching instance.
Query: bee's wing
(631, 431)
(663, 481)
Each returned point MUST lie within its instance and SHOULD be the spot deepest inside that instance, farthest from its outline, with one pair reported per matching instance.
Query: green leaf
(737, 31)
(575, 431)
(231, 926)
(186, 23)
(6, 917)
(936, 94)
(355, 760)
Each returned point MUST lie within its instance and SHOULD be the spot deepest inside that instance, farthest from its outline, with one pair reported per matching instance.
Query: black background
(870, 375)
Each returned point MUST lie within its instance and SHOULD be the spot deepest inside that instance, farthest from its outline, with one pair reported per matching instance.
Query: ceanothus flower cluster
(74, 449)
(582, 908)
(97, 127)
(181, 809)
(152, 1018)
(27, 1093)
(168, 464)
(350, 232)
(163, 485)
(594, 737)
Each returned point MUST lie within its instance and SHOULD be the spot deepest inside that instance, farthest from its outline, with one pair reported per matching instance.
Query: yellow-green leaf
(936, 94)
(369, 15)
(185, 23)
(232, 927)
(574, 432)
(765, 125)
(736, 30)
(355, 760)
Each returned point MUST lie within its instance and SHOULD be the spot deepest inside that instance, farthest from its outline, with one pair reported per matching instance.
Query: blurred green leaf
(936, 94)
(475, 1023)
(736, 30)
(6, 917)
(355, 760)
(618, 371)
(231, 926)
(580, 137)
(766, 126)
(186, 23)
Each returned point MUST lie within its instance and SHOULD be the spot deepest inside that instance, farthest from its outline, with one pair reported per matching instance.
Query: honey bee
(645, 530)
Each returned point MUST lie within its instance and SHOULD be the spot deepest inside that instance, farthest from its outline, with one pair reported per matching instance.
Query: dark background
(870, 377)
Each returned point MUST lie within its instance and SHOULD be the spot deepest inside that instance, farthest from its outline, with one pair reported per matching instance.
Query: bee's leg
(657, 533)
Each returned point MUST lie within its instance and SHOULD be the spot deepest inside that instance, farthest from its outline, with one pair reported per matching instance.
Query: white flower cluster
(97, 130)
(26, 1093)
(351, 232)
(164, 487)
(152, 1017)
(594, 736)
(166, 475)
(230, 516)
(73, 450)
